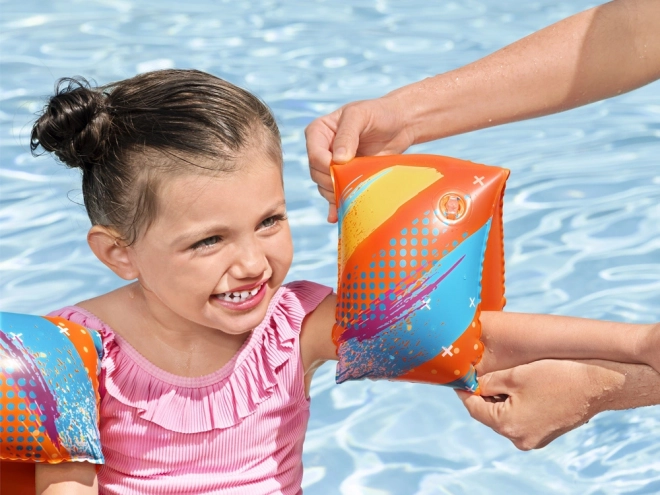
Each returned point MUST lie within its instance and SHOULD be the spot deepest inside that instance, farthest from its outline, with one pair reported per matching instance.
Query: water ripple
(582, 210)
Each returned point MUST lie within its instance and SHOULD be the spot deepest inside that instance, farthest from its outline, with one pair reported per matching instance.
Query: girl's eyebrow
(196, 235)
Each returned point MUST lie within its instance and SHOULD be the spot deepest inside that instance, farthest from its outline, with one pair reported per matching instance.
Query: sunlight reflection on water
(582, 210)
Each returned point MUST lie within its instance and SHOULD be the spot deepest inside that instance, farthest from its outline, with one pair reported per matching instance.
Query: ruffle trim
(221, 399)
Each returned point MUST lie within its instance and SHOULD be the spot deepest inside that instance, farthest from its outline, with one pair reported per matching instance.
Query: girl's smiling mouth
(242, 299)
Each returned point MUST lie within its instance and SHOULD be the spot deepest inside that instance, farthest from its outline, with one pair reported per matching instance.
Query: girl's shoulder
(81, 316)
(96, 313)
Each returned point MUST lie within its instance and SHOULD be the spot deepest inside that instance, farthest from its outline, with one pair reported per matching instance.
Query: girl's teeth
(239, 296)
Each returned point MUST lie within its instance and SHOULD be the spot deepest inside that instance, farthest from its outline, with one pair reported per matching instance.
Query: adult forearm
(625, 386)
(512, 339)
(592, 55)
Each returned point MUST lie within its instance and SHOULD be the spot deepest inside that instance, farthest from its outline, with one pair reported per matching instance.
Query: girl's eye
(271, 221)
(207, 243)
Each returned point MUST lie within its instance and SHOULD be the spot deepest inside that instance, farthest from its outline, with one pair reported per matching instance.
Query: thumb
(347, 137)
(495, 383)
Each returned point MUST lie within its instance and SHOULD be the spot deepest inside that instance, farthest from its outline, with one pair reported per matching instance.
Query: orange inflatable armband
(420, 255)
(49, 396)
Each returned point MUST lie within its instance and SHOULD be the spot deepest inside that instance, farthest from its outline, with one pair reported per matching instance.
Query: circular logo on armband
(452, 207)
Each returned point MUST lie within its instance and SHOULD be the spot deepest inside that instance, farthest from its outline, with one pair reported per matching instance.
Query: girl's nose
(250, 261)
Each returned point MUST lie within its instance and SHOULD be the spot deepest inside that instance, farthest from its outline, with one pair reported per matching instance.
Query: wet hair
(127, 136)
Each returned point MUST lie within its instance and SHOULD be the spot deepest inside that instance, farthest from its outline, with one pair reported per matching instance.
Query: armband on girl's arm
(420, 259)
(49, 394)
(420, 255)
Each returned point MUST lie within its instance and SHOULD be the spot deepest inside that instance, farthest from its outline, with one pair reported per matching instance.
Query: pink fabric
(239, 430)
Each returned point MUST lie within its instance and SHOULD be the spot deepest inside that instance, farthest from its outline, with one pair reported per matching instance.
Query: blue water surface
(582, 209)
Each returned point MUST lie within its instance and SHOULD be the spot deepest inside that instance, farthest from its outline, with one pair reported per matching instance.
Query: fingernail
(339, 154)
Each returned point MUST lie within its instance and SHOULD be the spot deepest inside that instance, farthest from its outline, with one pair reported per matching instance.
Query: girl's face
(219, 247)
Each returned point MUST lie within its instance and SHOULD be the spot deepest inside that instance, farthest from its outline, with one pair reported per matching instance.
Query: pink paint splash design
(406, 301)
(44, 395)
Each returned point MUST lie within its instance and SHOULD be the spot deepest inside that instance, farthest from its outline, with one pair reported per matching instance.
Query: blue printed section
(467, 382)
(424, 324)
(62, 394)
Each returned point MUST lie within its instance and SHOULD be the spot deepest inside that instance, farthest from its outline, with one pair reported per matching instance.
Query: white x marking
(16, 335)
(479, 180)
(427, 303)
(471, 388)
(472, 303)
(446, 351)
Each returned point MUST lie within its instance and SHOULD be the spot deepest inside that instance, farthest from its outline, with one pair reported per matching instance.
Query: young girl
(205, 373)
(207, 356)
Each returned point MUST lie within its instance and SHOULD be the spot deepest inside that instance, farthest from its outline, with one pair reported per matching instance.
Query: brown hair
(125, 136)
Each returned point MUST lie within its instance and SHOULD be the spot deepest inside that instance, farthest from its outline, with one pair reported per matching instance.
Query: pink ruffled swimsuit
(239, 430)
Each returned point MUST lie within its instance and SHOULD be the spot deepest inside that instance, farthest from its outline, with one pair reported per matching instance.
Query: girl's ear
(112, 251)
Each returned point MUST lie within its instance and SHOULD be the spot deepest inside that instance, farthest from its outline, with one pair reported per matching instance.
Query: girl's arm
(67, 478)
(316, 344)
(512, 339)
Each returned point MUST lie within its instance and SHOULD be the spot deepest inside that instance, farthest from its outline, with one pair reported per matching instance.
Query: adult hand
(363, 128)
(533, 404)
(595, 54)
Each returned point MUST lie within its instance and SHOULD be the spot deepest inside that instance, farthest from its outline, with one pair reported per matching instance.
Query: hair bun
(75, 124)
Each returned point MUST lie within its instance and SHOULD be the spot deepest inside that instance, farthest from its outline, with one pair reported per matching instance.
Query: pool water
(582, 209)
